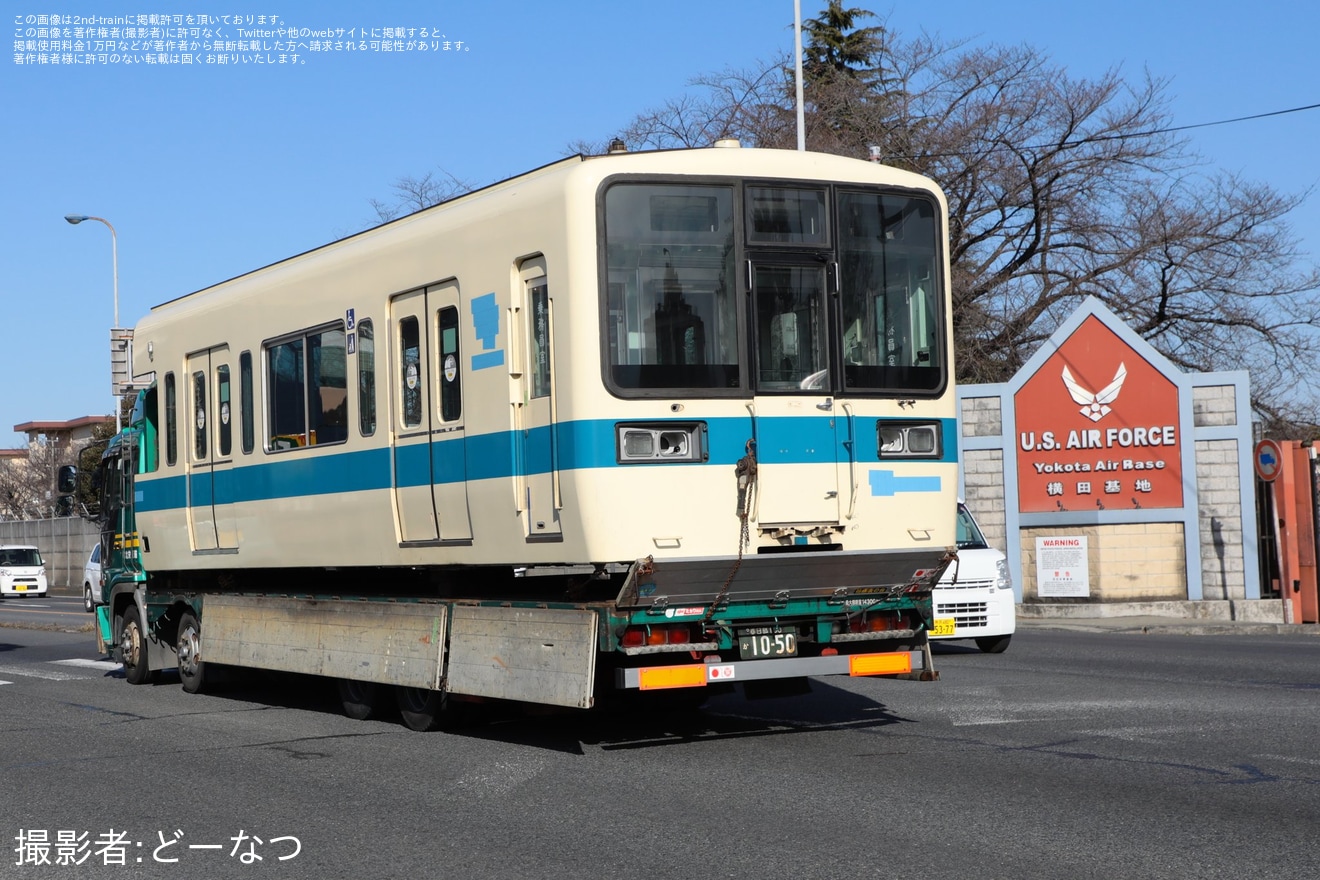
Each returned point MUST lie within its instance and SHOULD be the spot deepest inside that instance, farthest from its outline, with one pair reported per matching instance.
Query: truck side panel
(364, 641)
(538, 655)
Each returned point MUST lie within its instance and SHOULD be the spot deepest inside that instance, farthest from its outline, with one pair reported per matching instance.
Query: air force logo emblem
(1095, 404)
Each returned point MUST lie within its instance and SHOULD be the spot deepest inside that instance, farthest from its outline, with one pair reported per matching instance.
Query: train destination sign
(1097, 428)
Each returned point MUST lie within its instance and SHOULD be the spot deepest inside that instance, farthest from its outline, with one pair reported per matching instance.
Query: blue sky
(209, 171)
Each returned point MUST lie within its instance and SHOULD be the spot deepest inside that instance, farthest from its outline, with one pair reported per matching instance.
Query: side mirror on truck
(67, 480)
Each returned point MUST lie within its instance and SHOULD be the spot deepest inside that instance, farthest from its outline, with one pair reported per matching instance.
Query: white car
(22, 573)
(92, 580)
(974, 598)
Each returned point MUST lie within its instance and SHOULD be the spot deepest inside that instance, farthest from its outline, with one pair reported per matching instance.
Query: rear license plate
(760, 646)
(944, 626)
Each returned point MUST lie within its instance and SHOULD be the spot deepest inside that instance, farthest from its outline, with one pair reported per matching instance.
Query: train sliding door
(429, 439)
(538, 456)
(210, 453)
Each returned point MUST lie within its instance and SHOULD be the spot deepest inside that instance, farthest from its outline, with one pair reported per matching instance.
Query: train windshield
(674, 322)
(889, 293)
(671, 304)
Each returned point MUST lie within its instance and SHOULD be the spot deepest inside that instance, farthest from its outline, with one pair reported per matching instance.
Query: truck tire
(192, 671)
(132, 647)
(993, 644)
(424, 709)
(361, 699)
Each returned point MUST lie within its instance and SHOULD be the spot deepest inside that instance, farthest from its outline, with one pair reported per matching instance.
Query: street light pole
(75, 219)
(797, 71)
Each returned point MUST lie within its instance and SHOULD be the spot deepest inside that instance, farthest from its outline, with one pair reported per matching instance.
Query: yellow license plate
(20, 588)
(944, 626)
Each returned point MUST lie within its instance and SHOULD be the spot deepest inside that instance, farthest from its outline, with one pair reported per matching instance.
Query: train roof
(724, 158)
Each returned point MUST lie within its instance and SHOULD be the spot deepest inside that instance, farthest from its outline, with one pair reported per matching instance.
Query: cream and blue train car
(643, 420)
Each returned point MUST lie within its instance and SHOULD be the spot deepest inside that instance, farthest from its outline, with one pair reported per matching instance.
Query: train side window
(226, 426)
(451, 386)
(171, 421)
(199, 415)
(410, 349)
(287, 421)
(366, 358)
(245, 394)
(307, 390)
(539, 296)
(327, 386)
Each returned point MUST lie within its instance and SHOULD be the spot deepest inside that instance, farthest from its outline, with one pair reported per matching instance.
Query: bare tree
(417, 193)
(1059, 188)
(27, 485)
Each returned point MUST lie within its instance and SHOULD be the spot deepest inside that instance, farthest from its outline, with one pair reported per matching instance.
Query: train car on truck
(641, 422)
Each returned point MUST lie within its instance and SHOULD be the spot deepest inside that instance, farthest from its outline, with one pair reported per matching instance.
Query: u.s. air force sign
(1097, 428)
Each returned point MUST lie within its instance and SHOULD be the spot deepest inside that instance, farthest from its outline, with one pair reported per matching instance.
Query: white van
(974, 598)
(22, 573)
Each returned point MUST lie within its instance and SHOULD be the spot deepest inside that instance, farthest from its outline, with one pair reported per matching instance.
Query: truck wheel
(192, 671)
(361, 699)
(424, 709)
(993, 644)
(133, 648)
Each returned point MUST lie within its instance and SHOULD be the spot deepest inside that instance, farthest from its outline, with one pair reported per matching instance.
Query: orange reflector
(657, 677)
(880, 664)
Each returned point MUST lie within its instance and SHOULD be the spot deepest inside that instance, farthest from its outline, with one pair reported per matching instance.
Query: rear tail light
(637, 636)
(879, 621)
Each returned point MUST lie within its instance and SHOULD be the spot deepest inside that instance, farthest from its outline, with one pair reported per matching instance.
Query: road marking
(34, 672)
(89, 664)
(41, 609)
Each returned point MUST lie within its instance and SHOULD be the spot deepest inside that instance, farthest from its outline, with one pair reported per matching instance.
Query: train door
(430, 467)
(210, 458)
(797, 446)
(539, 456)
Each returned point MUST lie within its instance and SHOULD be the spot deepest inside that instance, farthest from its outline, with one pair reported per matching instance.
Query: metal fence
(64, 543)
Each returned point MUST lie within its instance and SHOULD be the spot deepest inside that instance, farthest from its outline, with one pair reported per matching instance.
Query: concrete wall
(1129, 562)
(1223, 574)
(64, 544)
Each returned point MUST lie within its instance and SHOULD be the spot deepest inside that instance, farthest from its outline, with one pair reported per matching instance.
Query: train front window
(889, 292)
(791, 332)
(671, 305)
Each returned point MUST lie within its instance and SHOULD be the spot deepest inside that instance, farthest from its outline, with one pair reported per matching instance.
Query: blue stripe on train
(581, 445)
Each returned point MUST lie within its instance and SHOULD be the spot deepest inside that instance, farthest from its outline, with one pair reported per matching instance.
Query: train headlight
(638, 444)
(909, 440)
(651, 443)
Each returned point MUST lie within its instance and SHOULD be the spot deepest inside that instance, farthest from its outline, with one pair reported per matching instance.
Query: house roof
(52, 427)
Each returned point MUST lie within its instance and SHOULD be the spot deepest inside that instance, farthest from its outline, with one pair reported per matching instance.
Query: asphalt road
(1109, 755)
(49, 612)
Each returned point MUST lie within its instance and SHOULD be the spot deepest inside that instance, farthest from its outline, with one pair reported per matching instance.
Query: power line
(1125, 135)
(1237, 119)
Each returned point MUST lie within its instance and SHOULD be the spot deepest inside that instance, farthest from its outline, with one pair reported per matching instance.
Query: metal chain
(745, 471)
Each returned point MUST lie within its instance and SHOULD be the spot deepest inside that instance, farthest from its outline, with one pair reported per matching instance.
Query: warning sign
(1061, 570)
